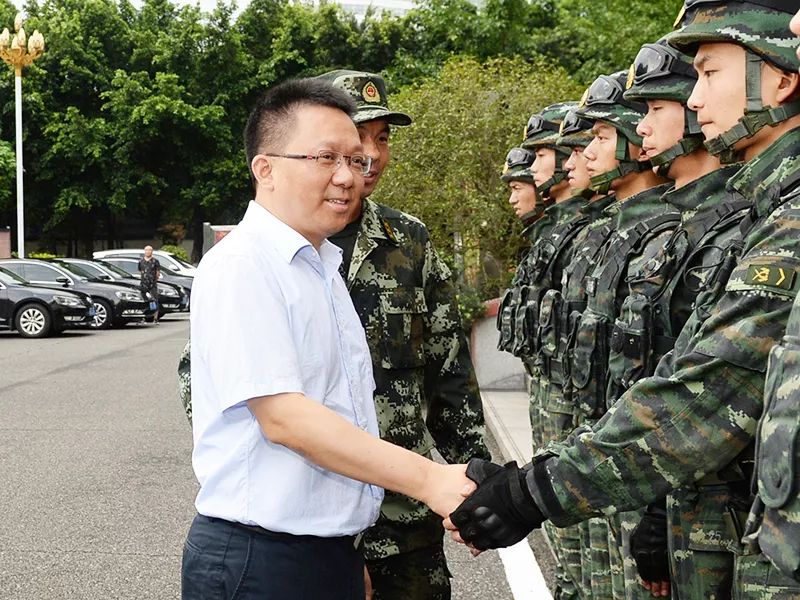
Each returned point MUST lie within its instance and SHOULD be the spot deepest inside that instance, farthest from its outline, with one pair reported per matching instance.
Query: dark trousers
(418, 575)
(224, 561)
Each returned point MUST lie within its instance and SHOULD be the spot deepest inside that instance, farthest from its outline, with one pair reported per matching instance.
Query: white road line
(523, 573)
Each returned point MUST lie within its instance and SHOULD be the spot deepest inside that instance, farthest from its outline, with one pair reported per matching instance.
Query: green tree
(446, 166)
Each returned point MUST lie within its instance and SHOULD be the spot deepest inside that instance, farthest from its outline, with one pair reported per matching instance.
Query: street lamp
(15, 55)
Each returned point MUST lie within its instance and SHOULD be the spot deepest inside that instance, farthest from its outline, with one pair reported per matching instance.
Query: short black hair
(272, 117)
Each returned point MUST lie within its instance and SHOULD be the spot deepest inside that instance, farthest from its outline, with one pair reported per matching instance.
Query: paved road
(96, 485)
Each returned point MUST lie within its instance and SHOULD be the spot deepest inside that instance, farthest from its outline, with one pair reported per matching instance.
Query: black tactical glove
(649, 545)
(501, 512)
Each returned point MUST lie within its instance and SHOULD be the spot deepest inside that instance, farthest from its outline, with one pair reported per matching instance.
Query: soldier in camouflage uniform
(697, 416)
(772, 526)
(426, 394)
(662, 292)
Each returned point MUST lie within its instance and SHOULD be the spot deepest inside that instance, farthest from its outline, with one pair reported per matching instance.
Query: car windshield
(181, 262)
(168, 271)
(114, 270)
(10, 278)
(79, 271)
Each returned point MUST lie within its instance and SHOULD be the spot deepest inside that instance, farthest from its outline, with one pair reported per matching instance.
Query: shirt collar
(694, 195)
(287, 241)
(374, 226)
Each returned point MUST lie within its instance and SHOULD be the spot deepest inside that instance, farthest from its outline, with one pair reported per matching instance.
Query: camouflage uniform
(426, 394)
(695, 419)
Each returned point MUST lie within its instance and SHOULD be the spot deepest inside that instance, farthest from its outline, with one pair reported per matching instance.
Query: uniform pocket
(589, 363)
(630, 347)
(548, 323)
(403, 319)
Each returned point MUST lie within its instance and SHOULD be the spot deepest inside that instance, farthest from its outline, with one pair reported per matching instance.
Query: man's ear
(788, 87)
(261, 167)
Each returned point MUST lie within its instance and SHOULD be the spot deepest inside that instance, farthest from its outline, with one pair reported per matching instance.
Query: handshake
(500, 512)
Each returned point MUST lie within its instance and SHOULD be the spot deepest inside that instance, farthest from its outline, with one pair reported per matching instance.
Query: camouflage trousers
(755, 578)
(701, 555)
(418, 575)
(566, 545)
(550, 419)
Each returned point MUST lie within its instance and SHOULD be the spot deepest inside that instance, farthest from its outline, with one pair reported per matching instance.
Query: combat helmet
(542, 132)
(661, 72)
(369, 92)
(603, 101)
(761, 27)
(574, 131)
(517, 167)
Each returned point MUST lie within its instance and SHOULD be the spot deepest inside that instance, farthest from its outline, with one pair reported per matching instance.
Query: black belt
(356, 540)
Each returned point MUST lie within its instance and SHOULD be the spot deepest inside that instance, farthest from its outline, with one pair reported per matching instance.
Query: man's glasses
(332, 160)
(658, 60)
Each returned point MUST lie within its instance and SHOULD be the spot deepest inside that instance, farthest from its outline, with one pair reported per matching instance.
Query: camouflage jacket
(426, 394)
(662, 290)
(697, 416)
(642, 223)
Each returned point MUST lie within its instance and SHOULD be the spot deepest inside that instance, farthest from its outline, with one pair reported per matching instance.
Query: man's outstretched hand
(500, 513)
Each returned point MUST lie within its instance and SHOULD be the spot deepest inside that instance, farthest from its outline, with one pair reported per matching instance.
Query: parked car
(165, 259)
(131, 266)
(171, 297)
(114, 304)
(36, 311)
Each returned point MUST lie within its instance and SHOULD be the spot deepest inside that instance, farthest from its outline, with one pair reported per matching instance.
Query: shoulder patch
(771, 275)
(389, 231)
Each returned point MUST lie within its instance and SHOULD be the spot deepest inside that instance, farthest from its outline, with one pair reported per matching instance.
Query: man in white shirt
(285, 433)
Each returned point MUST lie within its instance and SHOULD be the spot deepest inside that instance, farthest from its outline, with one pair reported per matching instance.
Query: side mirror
(62, 280)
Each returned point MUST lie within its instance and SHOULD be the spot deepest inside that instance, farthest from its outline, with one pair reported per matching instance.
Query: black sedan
(114, 303)
(36, 311)
(171, 297)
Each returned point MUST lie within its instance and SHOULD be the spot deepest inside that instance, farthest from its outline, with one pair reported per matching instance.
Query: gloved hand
(501, 512)
(649, 545)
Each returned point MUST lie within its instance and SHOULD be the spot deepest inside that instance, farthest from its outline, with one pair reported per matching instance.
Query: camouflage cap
(369, 92)
(517, 166)
(542, 127)
(603, 101)
(660, 72)
(759, 25)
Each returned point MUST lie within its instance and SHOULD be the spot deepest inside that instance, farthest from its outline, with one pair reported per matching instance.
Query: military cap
(603, 101)
(661, 72)
(542, 128)
(517, 166)
(759, 25)
(369, 92)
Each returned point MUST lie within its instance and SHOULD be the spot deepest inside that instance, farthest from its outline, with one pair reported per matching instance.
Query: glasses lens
(328, 159)
(360, 163)
(651, 62)
(518, 157)
(603, 91)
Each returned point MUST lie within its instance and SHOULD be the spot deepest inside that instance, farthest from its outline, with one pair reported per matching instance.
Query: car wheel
(33, 321)
(102, 315)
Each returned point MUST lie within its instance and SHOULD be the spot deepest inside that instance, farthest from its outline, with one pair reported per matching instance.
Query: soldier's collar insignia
(631, 77)
(370, 93)
(389, 231)
(679, 19)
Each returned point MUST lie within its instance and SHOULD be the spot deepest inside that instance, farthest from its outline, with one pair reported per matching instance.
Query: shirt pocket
(403, 322)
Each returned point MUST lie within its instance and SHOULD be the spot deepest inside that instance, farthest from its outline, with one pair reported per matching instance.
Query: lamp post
(15, 54)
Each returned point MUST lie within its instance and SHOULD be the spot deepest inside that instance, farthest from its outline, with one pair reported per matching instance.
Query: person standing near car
(150, 272)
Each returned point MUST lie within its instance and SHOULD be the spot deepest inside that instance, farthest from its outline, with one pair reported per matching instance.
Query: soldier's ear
(788, 87)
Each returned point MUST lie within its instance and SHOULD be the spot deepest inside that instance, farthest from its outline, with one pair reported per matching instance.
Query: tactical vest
(593, 328)
(562, 309)
(518, 318)
(644, 331)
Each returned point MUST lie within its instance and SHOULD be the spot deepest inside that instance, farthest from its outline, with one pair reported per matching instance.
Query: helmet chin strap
(559, 174)
(756, 115)
(692, 140)
(602, 183)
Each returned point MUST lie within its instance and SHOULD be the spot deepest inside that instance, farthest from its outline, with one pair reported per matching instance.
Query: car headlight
(133, 296)
(165, 290)
(67, 301)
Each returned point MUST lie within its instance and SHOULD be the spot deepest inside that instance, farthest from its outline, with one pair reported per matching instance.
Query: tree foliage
(133, 115)
(447, 165)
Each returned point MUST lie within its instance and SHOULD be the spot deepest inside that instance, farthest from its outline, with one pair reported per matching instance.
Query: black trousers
(225, 561)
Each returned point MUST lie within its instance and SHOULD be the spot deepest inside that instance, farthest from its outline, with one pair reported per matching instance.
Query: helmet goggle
(658, 60)
(537, 124)
(604, 90)
(573, 123)
(519, 157)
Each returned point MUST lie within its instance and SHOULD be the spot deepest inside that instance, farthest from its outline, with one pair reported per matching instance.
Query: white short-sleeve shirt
(272, 315)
